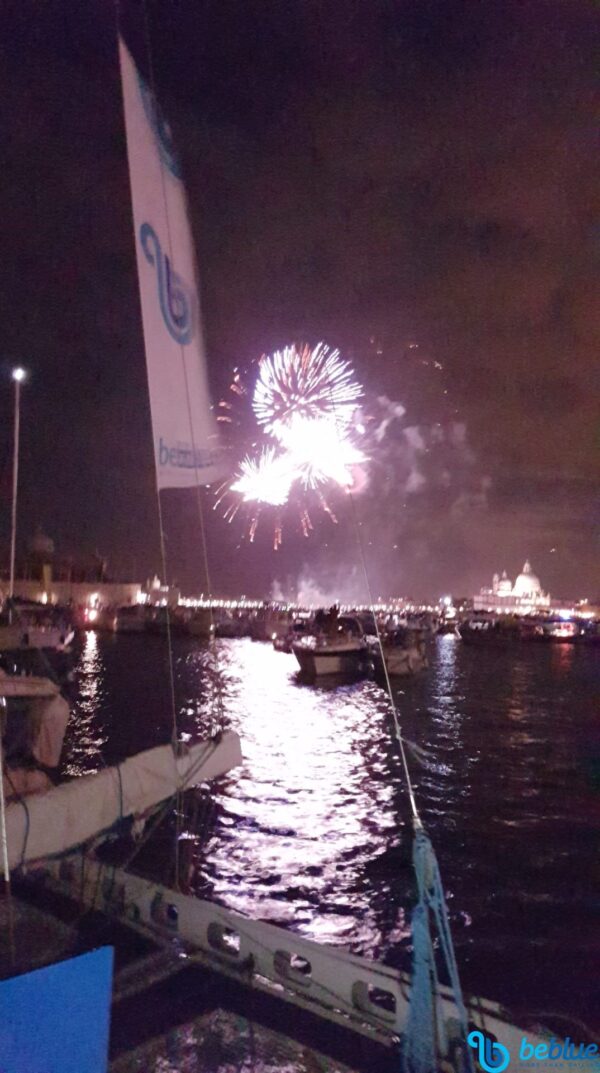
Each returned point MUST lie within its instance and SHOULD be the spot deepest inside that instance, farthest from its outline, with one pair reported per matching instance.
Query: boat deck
(170, 1013)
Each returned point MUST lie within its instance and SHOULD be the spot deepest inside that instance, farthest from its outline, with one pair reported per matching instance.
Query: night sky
(412, 182)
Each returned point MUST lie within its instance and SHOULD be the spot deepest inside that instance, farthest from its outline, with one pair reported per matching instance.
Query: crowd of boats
(35, 641)
(487, 629)
(325, 642)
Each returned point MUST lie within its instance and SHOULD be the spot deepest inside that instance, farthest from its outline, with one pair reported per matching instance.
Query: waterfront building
(523, 597)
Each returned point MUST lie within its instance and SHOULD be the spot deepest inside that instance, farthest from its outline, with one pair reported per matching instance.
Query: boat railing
(365, 996)
(372, 995)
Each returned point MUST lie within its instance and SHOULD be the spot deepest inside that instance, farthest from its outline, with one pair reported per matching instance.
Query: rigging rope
(426, 1033)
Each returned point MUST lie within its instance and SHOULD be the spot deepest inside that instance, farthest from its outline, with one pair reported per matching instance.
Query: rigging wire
(388, 684)
(419, 1043)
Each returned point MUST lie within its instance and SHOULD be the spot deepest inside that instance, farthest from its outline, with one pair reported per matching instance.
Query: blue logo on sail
(160, 129)
(175, 298)
(493, 1057)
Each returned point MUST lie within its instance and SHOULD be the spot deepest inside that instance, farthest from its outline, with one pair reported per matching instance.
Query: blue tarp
(56, 1019)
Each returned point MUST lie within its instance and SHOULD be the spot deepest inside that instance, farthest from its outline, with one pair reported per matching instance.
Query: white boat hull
(315, 662)
(22, 636)
(404, 662)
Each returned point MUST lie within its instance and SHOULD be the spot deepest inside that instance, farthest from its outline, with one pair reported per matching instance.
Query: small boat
(403, 651)
(269, 623)
(33, 729)
(20, 635)
(32, 626)
(284, 642)
(490, 631)
(340, 649)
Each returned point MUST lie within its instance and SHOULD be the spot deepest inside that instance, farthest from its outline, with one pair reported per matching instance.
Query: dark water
(313, 831)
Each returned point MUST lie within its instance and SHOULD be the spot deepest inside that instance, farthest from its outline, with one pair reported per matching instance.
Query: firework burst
(302, 405)
(267, 479)
(320, 452)
(304, 382)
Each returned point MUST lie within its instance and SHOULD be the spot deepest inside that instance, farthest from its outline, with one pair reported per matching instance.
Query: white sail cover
(184, 429)
(43, 825)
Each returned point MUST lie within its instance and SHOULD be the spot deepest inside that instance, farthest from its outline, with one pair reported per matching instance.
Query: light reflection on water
(313, 800)
(86, 736)
(313, 830)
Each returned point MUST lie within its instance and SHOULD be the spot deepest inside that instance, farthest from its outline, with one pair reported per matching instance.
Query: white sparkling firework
(319, 452)
(307, 382)
(303, 401)
(266, 479)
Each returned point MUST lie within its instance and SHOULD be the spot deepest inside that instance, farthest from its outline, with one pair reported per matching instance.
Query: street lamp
(18, 374)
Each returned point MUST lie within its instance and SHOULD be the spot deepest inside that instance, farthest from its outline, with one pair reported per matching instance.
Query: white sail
(184, 429)
(43, 825)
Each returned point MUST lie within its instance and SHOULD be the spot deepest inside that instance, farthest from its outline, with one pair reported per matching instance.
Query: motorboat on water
(31, 625)
(338, 648)
(283, 642)
(403, 651)
(486, 630)
(165, 620)
(33, 721)
(269, 623)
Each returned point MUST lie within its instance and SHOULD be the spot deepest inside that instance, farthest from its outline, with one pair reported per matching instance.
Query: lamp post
(18, 375)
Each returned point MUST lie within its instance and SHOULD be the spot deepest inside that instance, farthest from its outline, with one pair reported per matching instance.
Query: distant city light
(19, 374)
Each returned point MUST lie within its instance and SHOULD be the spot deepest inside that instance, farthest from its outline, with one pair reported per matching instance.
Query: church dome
(527, 583)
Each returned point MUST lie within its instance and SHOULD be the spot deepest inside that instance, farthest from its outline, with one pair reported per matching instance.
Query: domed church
(525, 595)
(527, 586)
